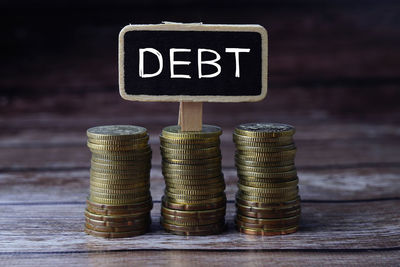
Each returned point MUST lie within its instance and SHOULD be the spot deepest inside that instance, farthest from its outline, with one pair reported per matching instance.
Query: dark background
(338, 58)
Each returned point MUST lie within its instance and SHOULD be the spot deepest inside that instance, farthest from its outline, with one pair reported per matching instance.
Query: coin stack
(267, 201)
(194, 202)
(119, 204)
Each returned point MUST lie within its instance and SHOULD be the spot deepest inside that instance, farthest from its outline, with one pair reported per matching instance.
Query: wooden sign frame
(195, 27)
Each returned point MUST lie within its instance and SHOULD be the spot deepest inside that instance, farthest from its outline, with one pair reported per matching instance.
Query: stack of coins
(267, 201)
(119, 204)
(194, 202)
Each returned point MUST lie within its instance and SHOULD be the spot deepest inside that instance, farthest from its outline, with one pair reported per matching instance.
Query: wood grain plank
(202, 258)
(336, 226)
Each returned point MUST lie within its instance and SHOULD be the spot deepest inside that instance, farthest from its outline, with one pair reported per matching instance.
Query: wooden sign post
(191, 64)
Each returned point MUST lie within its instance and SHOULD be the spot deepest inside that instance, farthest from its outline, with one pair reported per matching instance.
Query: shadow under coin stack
(267, 202)
(119, 204)
(194, 202)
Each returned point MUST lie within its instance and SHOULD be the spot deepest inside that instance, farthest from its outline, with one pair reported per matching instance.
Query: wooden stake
(190, 116)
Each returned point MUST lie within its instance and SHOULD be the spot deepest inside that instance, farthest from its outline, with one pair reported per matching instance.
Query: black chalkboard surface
(193, 62)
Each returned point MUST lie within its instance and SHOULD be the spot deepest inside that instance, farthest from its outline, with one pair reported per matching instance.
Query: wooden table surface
(349, 184)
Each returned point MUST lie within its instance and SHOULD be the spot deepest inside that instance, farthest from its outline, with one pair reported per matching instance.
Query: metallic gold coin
(116, 234)
(132, 185)
(280, 222)
(210, 205)
(270, 164)
(283, 231)
(107, 209)
(266, 159)
(268, 193)
(111, 132)
(139, 162)
(134, 191)
(185, 221)
(191, 141)
(115, 178)
(266, 180)
(198, 182)
(272, 209)
(189, 198)
(207, 131)
(132, 221)
(263, 144)
(101, 156)
(263, 199)
(122, 167)
(246, 168)
(195, 192)
(267, 155)
(122, 153)
(262, 141)
(195, 233)
(192, 175)
(181, 156)
(119, 142)
(188, 146)
(265, 129)
(114, 147)
(262, 205)
(201, 151)
(269, 175)
(101, 228)
(260, 184)
(118, 201)
(269, 215)
(195, 228)
(209, 201)
(194, 214)
(140, 171)
(188, 188)
(115, 195)
(266, 149)
(191, 164)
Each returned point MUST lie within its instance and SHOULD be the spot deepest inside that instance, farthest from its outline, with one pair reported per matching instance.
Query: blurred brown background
(340, 59)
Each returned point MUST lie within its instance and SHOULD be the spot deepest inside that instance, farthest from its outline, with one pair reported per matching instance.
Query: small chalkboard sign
(177, 62)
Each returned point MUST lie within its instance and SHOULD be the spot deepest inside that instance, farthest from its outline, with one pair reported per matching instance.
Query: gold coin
(239, 142)
(115, 234)
(111, 132)
(191, 141)
(210, 205)
(269, 209)
(119, 142)
(270, 205)
(191, 164)
(184, 196)
(267, 149)
(196, 187)
(129, 186)
(269, 215)
(263, 164)
(189, 174)
(281, 154)
(121, 156)
(188, 146)
(269, 175)
(122, 167)
(202, 151)
(262, 141)
(118, 201)
(265, 129)
(283, 231)
(117, 147)
(246, 168)
(175, 200)
(115, 195)
(266, 159)
(119, 179)
(264, 199)
(137, 162)
(195, 228)
(101, 228)
(197, 182)
(194, 214)
(207, 131)
(134, 172)
(169, 156)
(185, 221)
(195, 192)
(122, 220)
(135, 206)
(266, 180)
(259, 184)
(280, 222)
(134, 191)
(268, 192)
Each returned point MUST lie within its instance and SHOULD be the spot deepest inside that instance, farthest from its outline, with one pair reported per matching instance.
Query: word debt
(146, 54)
